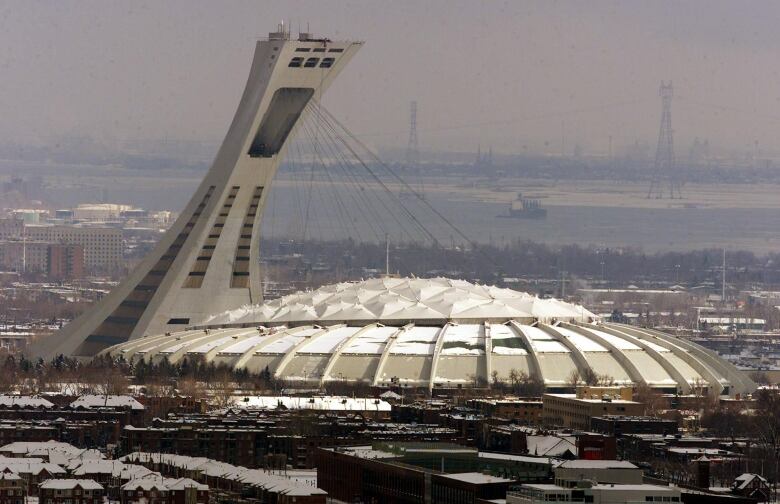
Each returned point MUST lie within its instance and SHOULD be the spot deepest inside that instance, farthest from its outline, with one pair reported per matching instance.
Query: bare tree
(605, 380)
(760, 377)
(191, 387)
(574, 379)
(110, 382)
(767, 431)
(590, 377)
(222, 389)
(652, 400)
(513, 377)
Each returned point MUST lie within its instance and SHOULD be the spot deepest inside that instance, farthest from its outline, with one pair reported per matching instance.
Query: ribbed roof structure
(437, 333)
(404, 299)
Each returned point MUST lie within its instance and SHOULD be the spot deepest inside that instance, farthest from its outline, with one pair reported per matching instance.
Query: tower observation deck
(208, 261)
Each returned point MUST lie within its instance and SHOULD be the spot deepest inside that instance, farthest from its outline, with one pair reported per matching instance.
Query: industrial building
(423, 473)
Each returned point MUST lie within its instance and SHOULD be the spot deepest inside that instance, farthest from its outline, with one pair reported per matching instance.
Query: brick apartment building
(103, 247)
(620, 425)
(12, 488)
(60, 261)
(525, 411)
(65, 261)
(575, 411)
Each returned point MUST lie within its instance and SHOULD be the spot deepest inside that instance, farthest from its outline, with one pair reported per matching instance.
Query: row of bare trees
(105, 375)
(533, 260)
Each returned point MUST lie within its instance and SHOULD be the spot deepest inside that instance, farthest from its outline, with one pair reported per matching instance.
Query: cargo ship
(524, 208)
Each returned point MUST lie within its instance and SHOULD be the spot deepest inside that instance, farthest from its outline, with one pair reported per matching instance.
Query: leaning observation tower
(207, 262)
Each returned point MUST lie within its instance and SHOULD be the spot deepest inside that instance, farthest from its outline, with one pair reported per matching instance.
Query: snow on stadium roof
(403, 299)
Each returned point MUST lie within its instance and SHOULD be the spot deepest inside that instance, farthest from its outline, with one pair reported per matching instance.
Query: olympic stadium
(198, 294)
(436, 333)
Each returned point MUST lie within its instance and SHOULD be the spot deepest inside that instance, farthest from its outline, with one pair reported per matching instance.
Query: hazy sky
(508, 74)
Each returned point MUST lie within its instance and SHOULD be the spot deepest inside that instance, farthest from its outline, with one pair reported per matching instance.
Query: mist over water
(653, 229)
(561, 79)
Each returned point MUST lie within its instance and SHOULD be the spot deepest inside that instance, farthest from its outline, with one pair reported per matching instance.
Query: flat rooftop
(597, 464)
(476, 478)
(588, 400)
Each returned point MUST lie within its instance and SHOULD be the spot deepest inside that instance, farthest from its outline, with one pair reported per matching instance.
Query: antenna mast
(664, 169)
(413, 149)
(723, 280)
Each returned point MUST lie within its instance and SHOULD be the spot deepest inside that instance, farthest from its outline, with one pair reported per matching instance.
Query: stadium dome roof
(437, 333)
(404, 299)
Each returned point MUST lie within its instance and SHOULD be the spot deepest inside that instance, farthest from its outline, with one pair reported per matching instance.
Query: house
(32, 471)
(753, 486)
(249, 483)
(144, 491)
(552, 446)
(187, 491)
(110, 473)
(24, 402)
(159, 490)
(51, 451)
(91, 401)
(70, 491)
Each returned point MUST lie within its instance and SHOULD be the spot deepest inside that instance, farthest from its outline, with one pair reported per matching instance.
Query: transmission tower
(413, 149)
(664, 169)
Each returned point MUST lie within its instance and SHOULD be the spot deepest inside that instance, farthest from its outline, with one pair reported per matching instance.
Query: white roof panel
(501, 331)
(418, 340)
(549, 346)
(655, 346)
(582, 342)
(616, 341)
(328, 342)
(463, 339)
(535, 333)
(371, 342)
(185, 341)
(289, 340)
(243, 344)
(466, 333)
(209, 346)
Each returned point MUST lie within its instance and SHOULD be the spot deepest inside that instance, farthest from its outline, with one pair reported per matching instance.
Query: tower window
(296, 62)
(327, 62)
(311, 62)
(286, 106)
(302, 49)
